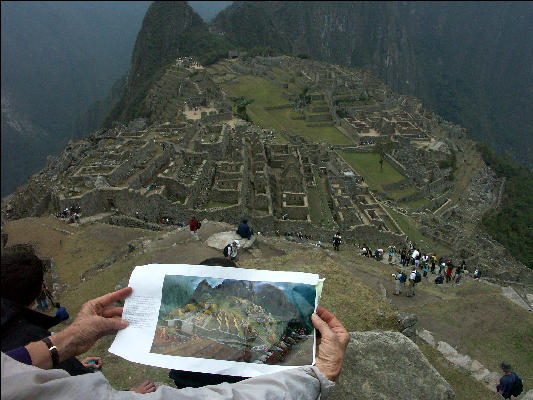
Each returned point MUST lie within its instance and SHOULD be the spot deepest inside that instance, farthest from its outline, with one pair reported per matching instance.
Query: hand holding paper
(96, 319)
(331, 344)
(219, 320)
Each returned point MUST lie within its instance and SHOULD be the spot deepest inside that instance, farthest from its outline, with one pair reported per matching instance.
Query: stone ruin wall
(232, 187)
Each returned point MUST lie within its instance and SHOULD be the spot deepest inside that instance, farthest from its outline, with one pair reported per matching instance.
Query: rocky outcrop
(387, 365)
(408, 322)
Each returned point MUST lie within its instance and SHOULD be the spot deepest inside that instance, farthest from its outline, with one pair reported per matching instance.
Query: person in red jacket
(193, 224)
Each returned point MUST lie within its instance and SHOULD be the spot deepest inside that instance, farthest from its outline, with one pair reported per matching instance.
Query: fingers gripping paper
(219, 320)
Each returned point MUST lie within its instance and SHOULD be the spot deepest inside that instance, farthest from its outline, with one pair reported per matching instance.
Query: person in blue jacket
(244, 231)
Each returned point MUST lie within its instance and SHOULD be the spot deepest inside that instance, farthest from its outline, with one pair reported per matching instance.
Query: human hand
(96, 362)
(145, 387)
(332, 343)
(95, 320)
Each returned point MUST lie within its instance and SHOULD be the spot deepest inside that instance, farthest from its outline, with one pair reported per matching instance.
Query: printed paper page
(220, 320)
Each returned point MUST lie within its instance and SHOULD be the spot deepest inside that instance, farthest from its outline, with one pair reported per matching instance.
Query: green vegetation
(318, 204)
(344, 99)
(381, 148)
(463, 329)
(175, 293)
(240, 107)
(512, 223)
(263, 51)
(464, 386)
(410, 228)
(415, 204)
(390, 224)
(378, 174)
(367, 164)
(267, 94)
(450, 162)
(262, 90)
(342, 113)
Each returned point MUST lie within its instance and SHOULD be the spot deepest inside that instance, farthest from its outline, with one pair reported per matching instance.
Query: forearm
(297, 383)
(40, 354)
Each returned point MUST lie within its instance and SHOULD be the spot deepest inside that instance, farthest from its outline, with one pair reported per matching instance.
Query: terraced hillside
(307, 162)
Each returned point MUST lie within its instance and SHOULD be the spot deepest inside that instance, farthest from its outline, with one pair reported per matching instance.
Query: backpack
(227, 250)
(418, 277)
(403, 278)
(518, 386)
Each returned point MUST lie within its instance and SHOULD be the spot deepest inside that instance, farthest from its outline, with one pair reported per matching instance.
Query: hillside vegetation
(413, 48)
(456, 315)
(57, 58)
(169, 30)
(512, 223)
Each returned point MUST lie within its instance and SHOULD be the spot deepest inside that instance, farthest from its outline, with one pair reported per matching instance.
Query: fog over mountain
(469, 61)
(60, 63)
(208, 9)
(57, 58)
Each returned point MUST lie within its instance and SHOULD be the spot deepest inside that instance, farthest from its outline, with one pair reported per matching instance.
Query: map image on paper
(235, 320)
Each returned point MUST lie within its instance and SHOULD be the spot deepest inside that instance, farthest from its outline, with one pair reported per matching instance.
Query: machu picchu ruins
(318, 199)
(195, 155)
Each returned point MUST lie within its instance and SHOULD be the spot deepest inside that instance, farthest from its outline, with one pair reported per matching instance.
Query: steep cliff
(169, 30)
(470, 62)
(57, 58)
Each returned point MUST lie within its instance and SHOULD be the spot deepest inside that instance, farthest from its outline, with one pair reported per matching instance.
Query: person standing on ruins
(398, 277)
(415, 257)
(449, 270)
(337, 240)
(412, 283)
(392, 249)
(194, 225)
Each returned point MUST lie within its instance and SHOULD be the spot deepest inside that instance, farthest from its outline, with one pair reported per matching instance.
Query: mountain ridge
(412, 47)
(169, 30)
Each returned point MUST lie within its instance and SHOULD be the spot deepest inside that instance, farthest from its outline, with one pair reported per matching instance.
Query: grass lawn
(318, 205)
(465, 387)
(281, 75)
(262, 90)
(367, 164)
(401, 193)
(480, 322)
(330, 134)
(265, 94)
(415, 204)
(410, 227)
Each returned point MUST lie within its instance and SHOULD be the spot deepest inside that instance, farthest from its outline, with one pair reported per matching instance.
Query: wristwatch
(53, 351)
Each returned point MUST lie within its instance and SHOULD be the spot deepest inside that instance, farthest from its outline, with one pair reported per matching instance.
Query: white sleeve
(21, 381)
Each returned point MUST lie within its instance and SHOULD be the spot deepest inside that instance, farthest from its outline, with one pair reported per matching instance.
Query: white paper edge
(140, 353)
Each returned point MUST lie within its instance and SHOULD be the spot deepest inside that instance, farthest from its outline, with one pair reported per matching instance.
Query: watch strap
(53, 351)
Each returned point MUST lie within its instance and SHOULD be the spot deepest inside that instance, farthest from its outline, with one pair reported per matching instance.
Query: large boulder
(388, 366)
(222, 239)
